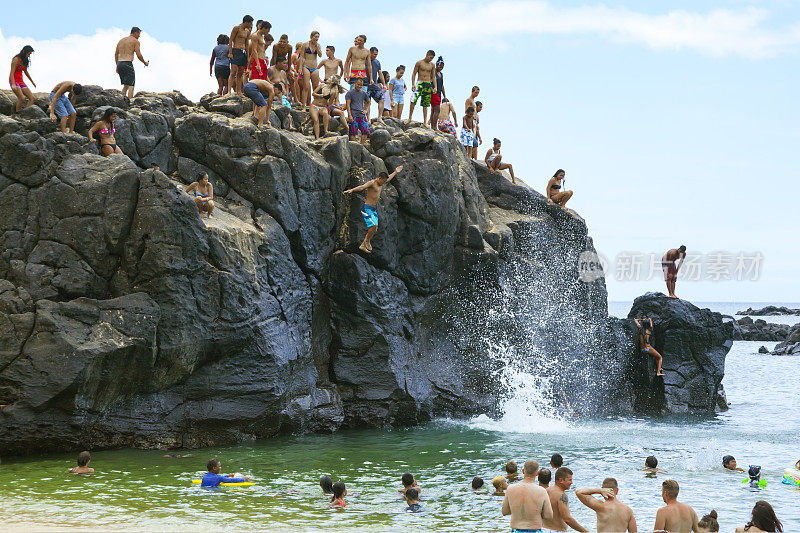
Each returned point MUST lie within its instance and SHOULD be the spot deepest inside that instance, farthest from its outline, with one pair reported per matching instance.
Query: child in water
(511, 471)
(477, 483)
(326, 483)
(408, 482)
(650, 465)
(339, 492)
(83, 469)
(213, 478)
(412, 499)
(500, 485)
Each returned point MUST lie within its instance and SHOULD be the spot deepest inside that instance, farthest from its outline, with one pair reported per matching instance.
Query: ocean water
(142, 490)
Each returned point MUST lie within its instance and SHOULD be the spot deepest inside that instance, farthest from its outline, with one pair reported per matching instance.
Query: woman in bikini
(645, 326)
(319, 108)
(203, 194)
(105, 130)
(311, 51)
(554, 193)
(19, 66)
(495, 161)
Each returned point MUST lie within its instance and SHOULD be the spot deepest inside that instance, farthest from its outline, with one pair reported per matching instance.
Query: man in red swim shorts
(671, 269)
(257, 52)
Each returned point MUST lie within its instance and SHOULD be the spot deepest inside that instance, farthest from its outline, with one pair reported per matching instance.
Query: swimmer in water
(83, 469)
(326, 483)
(213, 478)
(511, 471)
(172, 455)
(500, 484)
(408, 482)
(754, 473)
(412, 499)
(477, 483)
(556, 461)
(339, 492)
(730, 463)
(650, 465)
(708, 524)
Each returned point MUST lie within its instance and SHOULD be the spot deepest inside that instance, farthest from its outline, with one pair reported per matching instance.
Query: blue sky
(676, 125)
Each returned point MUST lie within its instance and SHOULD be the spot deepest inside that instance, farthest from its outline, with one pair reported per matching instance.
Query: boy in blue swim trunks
(213, 478)
(370, 210)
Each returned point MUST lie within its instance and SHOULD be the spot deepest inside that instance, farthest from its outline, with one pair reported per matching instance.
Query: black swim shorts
(239, 57)
(127, 76)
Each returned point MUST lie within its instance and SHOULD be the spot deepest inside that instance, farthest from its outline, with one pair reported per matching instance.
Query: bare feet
(364, 248)
(661, 374)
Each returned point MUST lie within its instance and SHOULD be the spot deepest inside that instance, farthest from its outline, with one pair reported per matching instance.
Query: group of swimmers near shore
(537, 506)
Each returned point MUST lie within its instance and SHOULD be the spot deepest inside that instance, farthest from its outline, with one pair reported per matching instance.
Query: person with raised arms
(612, 515)
(238, 53)
(123, 57)
(62, 108)
(370, 214)
(423, 75)
(527, 502)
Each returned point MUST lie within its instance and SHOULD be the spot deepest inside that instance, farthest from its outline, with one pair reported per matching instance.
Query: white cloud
(89, 59)
(720, 32)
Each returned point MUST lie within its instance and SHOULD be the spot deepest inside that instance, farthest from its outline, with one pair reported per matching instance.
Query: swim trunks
(374, 91)
(239, 57)
(359, 124)
(358, 74)
(370, 215)
(63, 107)
(222, 72)
(127, 76)
(670, 270)
(467, 137)
(254, 75)
(424, 91)
(251, 91)
(436, 99)
(447, 126)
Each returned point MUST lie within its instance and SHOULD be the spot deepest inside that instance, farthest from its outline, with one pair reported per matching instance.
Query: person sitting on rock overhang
(645, 326)
(203, 194)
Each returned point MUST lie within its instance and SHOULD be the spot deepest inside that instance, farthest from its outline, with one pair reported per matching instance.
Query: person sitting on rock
(63, 107)
(671, 269)
(280, 95)
(261, 93)
(494, 161)
(213, 478)
(331, 90)
(729, 463)
(105, 130)
(554, 193)
(645, 326)
(319, 109)
(370, 210)
(203, 194)
(83, 469)
(19, 66)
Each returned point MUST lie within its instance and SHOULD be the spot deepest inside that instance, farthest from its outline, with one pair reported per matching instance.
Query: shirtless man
(612, 515)
(63, 108)
(123, 57)
(671, 269)
(356, 64)
(238, 53)
(261, 93)
(277, 73)
(281, 49)
(675, 517)
(311, 51)
(370, 211)
(527, 502)
(560, 503)
(332, 65)
(257, 52)
(470, 101)
(83, 467)
(423, 74)
(444, 124)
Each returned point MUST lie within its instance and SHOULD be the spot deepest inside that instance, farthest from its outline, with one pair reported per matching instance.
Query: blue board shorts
(239, 57)
(63, 107)
(251, 91)
(370, 215)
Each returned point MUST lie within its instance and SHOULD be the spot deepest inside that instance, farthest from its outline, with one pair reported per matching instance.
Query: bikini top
(308, 51)
(105, 131)
(555, 186)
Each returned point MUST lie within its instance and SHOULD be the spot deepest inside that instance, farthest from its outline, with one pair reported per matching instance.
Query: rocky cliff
(126, 320)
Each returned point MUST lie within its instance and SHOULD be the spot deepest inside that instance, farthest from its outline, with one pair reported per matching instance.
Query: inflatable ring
(791, 477)
(242, 484)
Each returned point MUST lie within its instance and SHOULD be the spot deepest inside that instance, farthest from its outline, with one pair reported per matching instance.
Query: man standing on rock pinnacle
(671, 269)
(370, 210)
(238, 53)
(123, 57)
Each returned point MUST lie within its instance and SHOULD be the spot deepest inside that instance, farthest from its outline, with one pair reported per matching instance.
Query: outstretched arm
(359, 188)
(395, 173)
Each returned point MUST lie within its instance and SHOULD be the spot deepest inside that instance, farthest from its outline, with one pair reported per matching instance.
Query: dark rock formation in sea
(769, 310)
(747, 329)
(791, 345)
(126, 320)
(693, 343)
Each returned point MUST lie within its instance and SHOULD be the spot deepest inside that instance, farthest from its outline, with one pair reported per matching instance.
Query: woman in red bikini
(105, 129)
(19, 66)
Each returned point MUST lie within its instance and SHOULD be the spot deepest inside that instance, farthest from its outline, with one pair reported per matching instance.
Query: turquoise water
(142, 490)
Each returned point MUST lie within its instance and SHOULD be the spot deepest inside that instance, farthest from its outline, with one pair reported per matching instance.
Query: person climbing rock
(645, 326)
(370, 210)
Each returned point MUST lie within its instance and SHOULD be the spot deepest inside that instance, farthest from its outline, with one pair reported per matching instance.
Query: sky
(676, 124)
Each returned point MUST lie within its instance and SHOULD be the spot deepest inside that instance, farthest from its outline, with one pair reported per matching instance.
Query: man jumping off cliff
(370, 210)
(671, 269)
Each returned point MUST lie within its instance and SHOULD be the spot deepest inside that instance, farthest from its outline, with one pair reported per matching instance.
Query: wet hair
(201, 175)
(24, 55)
(109, 112)
(545, 476)
(754, 473)
(727, 459)
(531, 466)
(497, 481)
(407, 480)
(212, 464)
(556, 460)
(246, 19)
(84, 458)
(496, 141)
(682, 248)
(362, 36)
(412, 494)
(651, 462)
(401, 67)
(330, 47)
(431, 53)
(671, 487)
(559, 171)
(373, 49)
(562, 473)
(383, 175)
(223, 39)
(477, 482)
(338, 489)
(610, 483)
(763, 517)
(135, 29)
(326, 483)
(709, 521)
(278, 86)
(511, 467)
